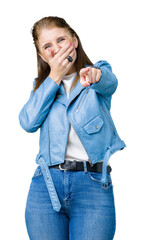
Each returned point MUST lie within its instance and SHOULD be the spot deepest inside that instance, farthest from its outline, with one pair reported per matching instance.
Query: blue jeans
(87, 212)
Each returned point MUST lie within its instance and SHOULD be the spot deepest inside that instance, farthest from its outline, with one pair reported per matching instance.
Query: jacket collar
(62, 96)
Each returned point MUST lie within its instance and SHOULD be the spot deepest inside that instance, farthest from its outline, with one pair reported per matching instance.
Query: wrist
(55, 78)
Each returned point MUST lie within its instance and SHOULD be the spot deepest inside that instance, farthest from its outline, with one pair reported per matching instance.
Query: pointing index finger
(84, 71)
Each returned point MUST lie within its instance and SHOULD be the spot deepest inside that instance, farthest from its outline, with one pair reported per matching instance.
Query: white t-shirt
(75, 149)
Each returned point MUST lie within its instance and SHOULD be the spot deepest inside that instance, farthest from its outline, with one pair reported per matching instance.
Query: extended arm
(108, 82)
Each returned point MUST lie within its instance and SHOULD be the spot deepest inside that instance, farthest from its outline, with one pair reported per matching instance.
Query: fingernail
(88, 84)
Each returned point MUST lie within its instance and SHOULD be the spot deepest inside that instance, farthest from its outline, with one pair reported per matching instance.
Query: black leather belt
(79, 166)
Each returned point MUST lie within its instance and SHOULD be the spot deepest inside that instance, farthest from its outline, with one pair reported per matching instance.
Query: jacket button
(96, 126)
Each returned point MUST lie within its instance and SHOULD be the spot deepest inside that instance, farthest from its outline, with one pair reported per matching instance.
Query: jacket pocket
(94, 125)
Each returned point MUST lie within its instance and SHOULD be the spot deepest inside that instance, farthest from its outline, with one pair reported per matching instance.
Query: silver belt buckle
(61, 167)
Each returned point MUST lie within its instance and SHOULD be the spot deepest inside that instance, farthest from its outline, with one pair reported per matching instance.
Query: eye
(47, 46)
(59, 41)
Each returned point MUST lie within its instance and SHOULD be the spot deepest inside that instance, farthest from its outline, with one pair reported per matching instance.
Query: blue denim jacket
(87, 109)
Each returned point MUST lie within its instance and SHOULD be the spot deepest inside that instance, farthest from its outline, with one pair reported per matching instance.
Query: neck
(72, 70)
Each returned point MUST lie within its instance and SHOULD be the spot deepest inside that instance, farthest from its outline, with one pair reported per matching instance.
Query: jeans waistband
(50, 185)
(49, 182)
(79, 166)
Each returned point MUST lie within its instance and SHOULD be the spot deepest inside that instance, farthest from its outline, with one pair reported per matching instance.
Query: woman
(71, 193)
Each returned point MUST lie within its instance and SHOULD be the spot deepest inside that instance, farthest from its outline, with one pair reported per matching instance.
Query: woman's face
(54, 38)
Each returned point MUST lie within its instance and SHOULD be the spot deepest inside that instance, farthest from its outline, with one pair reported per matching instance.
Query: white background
(109, 30)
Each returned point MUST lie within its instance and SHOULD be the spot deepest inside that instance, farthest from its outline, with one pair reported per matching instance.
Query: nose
(56, 49)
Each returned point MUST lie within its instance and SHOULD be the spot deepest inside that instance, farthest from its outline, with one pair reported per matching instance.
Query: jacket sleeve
(37, 107)
(108, 82)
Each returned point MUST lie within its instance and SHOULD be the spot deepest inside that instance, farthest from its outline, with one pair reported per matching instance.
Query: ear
(75, 42)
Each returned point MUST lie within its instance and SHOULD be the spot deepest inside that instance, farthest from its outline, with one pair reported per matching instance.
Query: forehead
(50, 34)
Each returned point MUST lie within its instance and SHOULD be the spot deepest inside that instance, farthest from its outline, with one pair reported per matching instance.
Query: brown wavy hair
(43, 68)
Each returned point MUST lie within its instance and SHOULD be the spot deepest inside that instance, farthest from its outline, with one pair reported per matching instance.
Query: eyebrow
(57, 39)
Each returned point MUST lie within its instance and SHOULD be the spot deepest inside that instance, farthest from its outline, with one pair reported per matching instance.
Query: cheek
(44, 54)
(62, 44)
